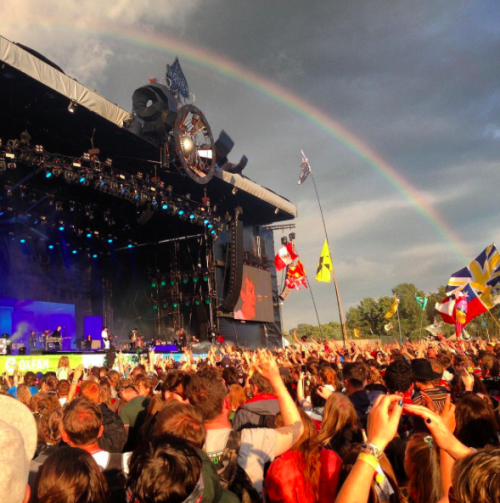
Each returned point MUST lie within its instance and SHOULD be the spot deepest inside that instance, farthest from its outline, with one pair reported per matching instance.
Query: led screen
(256, 297)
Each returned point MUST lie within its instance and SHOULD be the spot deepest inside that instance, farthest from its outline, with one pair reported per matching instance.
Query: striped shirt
(438, 396)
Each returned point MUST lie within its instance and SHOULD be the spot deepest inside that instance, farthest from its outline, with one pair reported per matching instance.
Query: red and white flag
(296, 277)
(284, 257)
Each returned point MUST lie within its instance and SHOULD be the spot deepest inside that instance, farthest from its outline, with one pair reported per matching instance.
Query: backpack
(231, 475)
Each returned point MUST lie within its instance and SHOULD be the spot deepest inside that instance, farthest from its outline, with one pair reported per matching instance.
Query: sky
(396, 103)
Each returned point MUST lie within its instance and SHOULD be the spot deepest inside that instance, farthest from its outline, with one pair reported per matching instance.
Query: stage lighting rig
(73, 105)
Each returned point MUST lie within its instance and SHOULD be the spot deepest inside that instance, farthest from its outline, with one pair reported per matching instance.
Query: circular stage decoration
(194, 144)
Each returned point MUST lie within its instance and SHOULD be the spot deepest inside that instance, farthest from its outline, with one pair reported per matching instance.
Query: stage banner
(36, 363)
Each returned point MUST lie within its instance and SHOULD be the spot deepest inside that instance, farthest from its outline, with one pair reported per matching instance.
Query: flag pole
(315, 308)
(421, 323)
(337, 293)
(399, 323)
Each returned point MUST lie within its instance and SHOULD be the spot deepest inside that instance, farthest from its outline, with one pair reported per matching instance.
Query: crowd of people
(315, 422)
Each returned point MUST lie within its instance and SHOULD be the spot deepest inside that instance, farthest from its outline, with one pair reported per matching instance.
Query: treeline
(369, 318)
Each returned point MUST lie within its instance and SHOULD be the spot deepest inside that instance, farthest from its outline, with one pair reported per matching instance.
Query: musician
(87, 346)
(106, 338)
(133, 338)
(32, 339)
(57, 334)
(182, 338)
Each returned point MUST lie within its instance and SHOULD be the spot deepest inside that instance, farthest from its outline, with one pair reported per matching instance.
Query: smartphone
(303, 368)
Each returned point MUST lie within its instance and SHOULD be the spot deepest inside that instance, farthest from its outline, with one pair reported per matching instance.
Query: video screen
(256, 296)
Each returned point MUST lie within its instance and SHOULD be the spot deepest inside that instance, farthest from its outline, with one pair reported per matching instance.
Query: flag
(296, 276)
(421, 302)
(305, 169)
(393, 309)
(325, 265)
(284, 257)
(460, 314)
(176, 81)
(482, 272)
(448, 309)
(356, 332)
(388, 327)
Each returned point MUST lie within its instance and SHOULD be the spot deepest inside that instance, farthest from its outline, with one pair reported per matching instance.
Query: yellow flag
(325, 265)
(393, 309)
(357, 333)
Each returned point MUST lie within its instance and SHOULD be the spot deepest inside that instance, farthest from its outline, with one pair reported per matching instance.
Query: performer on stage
(133, 338)
(57, 334)
(182, 338)
(32, 340)
(106, 338)
(87, 346)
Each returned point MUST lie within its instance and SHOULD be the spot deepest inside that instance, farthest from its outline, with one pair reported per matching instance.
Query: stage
(105, 221)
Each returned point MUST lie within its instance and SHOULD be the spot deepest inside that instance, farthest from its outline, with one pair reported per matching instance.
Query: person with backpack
(240, 457)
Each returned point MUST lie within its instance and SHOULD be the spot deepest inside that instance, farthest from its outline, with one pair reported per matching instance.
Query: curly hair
(399, 376)
(206, 392)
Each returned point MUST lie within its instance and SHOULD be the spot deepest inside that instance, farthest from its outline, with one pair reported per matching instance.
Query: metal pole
(399, 323)
(315, 308)
(337, 293)
(421, 323)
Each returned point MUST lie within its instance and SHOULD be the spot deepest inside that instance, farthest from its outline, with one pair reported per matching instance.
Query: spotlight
(163, 282)
(94, 256)
(187, 145)
(59, 206)
(39, 149)
(22, 241)
(74, 252)
(164, 206)
(72, 107)
(291, 236)
(181, 212)
(206, 221)
(154, 284)
(164, 305)
(155, 307)
(61, 228)
(175, 305)
(234, 191)
(110, 240)
(276, 211)
(89, 234)
(48, 174)
(130, 246)
(192, 216)
(284, 240)
(51, 247)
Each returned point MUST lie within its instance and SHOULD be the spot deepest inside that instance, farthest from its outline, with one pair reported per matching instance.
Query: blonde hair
(339, 415)
(63, 362)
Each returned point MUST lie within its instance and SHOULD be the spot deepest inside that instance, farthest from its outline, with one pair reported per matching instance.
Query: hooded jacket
(259, 412)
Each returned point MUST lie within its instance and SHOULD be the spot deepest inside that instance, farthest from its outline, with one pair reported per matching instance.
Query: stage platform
(48, 361)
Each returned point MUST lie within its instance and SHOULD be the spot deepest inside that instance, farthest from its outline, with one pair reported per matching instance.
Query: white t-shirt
(258, 446)
(102, 458)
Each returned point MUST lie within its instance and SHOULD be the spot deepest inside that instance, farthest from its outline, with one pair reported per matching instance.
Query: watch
(371, 449)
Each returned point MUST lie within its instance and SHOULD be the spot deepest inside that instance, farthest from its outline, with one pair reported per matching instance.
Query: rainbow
(233, 71)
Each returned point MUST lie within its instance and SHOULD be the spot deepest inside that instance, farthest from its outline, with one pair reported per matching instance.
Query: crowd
(313, 422)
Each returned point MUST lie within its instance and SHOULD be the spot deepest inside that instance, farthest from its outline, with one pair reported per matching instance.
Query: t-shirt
(132, 409)
(13, 391)
(102, 459)
(258, 446)
(438, 396)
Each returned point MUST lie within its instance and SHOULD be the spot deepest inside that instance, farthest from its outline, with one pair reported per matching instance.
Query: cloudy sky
(395, 102)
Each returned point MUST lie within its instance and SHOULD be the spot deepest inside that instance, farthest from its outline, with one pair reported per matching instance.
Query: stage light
(181, 212)
(154, 284)
(234, 191)
(206, 221)
(164, 206)
(172, 282)
(164, 305)
(205, 277)
(89, 234)
(195, 279)
(163, 283)
(130, 246)
(212, 232)
(209, 226)
(82, 179)
(51, 247)
(110, 240)
(175, 305)
(187, 303)
(284, 240)
(276, 211)
(74, 252)
(72, 106)
(185, 279)
(48, 174)
(187, 145)
(207, 301)
(155, 307)
(94, 256)
(192, 216)
(197, 302)
(22, 241)
(61, 227)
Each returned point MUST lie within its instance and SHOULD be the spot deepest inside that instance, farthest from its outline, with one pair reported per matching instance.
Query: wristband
(369, 459)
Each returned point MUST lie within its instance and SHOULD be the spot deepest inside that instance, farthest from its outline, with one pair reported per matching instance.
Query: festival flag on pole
(388, 327)
(305, 169)
(296, 276)
(392, 311)
(422, 302)
(325, 265)
(284, 257)
(356, 332)
(481, 273)
(453, 313)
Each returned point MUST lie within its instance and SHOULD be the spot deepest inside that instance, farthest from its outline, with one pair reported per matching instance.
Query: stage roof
(35, 94)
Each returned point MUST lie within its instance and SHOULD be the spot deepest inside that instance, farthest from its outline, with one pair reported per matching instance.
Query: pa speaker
(235, 266)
